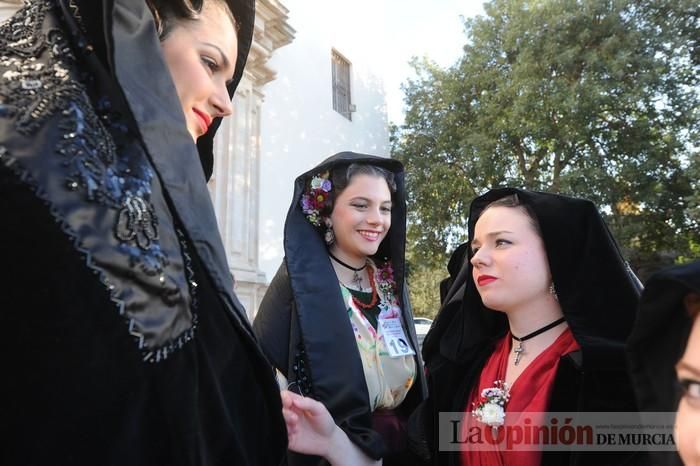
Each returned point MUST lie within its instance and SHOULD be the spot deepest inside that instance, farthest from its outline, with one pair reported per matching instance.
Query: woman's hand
(312, 431)
(310, 426)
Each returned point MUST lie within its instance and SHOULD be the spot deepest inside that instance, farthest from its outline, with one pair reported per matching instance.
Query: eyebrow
(688, 367)
(491, 235)
(362, 198)
(226, 63)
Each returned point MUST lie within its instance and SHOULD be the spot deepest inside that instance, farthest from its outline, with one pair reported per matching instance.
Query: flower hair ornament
(491, 407)
(316, 198)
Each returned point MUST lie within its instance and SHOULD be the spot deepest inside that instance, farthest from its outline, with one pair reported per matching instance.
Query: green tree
(592, 98)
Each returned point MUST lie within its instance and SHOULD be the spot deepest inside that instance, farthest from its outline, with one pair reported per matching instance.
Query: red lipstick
(482, 280)
(204, 119)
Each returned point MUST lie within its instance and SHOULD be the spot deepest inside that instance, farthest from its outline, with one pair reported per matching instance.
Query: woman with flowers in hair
(336, 321)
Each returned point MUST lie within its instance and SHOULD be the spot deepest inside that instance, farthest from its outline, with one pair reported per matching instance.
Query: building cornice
(272, 31)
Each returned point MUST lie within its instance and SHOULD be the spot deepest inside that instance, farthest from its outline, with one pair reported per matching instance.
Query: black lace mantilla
(40, 84)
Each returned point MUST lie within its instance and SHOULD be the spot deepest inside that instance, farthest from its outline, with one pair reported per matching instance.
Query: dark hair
(341, 177)
(513, 201)
(692, 304)
(167, 13)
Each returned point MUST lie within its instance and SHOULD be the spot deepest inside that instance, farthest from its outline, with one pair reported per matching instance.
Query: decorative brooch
(491, 407)
(385, 274)
(387, 290)
(316, 198)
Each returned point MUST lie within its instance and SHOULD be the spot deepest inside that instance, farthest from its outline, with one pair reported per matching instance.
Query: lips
(370, 235)
(485, 279)
(204, 120)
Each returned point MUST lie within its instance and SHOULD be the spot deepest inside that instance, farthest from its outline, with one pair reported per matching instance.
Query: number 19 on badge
(394, 338)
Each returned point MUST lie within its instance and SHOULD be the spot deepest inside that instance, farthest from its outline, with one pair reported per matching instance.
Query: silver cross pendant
(517, 352)
(357, 280)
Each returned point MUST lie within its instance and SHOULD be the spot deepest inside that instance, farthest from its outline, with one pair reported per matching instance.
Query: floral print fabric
(388, 379)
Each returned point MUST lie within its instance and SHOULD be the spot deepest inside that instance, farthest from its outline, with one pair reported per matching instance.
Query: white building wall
(8, 8)
(299, 127)
(284, 122)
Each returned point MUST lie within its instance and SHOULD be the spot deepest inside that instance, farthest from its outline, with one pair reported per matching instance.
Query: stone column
(235, 184)
(8, 7)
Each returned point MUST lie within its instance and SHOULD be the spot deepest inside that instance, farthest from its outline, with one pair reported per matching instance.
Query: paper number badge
(395, 338)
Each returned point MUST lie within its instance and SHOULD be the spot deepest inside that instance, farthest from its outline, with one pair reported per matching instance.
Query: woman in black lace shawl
(123, 341)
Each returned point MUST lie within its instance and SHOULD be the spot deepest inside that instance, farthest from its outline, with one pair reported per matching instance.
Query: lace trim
(38, 85)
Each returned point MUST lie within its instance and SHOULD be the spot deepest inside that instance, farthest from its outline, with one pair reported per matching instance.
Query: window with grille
(341, 86)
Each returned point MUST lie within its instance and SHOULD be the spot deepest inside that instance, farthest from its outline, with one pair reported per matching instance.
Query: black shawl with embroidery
(125, 343)
(303, 325)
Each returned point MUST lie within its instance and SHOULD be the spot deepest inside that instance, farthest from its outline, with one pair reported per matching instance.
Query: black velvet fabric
(76, 390)
(124, 341)
(658, 341)
(302, 320)
(598, 294)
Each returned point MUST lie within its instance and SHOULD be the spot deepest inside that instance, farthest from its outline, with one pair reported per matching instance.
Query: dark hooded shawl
(302, 323)
(598, 294)
(125, 343)
(659, 339)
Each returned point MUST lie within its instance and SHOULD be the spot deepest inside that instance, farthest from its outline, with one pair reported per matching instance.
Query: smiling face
(361, 218)
(509, 262)
(201, 56)
(688, 370)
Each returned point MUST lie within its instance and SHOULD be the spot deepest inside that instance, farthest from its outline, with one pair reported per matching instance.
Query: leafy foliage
(591, 98)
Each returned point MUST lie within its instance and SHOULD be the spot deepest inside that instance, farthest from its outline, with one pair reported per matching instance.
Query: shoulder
(276, 305)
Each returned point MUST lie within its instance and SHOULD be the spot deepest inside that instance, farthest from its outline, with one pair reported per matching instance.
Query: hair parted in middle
(322, 190)
(513, 201)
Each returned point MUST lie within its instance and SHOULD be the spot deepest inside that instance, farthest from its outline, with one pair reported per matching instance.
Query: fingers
(306, 404)
(288, 398)
(292, 401)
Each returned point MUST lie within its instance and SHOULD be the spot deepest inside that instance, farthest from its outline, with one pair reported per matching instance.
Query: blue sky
(420, 28)
(388, 33)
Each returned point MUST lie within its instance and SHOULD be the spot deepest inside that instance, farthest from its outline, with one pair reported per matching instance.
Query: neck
(349, 259)
(527, 319)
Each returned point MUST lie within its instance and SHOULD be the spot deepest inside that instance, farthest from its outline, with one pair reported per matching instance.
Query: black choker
(520, 340)
(356, 279)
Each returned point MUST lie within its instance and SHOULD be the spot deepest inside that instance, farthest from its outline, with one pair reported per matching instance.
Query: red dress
(529, 393)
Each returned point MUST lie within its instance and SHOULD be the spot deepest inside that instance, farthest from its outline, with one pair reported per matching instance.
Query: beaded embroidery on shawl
(35, 89)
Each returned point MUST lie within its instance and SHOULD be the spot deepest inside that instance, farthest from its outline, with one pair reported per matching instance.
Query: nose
(374, 216)
(221, 101)
(479, 258)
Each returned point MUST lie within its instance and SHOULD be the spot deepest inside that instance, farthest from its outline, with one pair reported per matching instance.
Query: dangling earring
(329, 235)
(553, 291)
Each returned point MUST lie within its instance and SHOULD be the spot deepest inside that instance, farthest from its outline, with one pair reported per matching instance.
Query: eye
(690, 389)
(386, 209)
(210, 63)
(359, 205)
(474, 251)
(502, 242)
